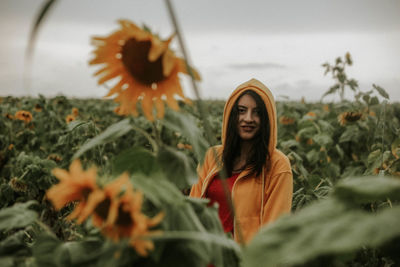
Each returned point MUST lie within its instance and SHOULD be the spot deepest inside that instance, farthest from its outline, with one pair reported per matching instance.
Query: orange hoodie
(257, 200)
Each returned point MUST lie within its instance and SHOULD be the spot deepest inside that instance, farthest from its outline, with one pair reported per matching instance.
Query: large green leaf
(368, 189)
(17, 216)
(44, 250)
(323, 139)
(177, 166)
(79, 253)
(185, 124)
(135, 160)
(352, 133)
(7, 261)
(111, 133)
(160, 191)
(331, 227)
(381, 91)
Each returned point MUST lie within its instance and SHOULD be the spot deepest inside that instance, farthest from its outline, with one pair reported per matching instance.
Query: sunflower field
(101, 182)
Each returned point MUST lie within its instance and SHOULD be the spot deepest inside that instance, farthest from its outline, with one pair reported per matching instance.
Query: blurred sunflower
(9, 116)
(75, 112)
(117, 212)
(286, 120)
(23, 115)
(147, 69)
(349, 117)
(75, 185)
(38, 108)
(69, 118)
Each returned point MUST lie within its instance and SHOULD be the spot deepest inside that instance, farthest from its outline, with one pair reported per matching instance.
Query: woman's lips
(247, 128)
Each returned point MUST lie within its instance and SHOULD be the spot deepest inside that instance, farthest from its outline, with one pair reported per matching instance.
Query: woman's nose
(248, 116)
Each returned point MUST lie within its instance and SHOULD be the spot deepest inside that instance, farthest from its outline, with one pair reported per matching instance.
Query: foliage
(147, 151)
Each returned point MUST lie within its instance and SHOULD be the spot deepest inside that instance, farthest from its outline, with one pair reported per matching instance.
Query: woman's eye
(242, 110)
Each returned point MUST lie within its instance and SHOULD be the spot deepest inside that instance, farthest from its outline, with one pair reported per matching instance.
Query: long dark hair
(259, 152)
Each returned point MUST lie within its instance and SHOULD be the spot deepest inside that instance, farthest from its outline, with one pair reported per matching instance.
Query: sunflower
(38, 108)
(285, 120)
(147, 69)
(349, 117)
(69, 118)
(23, 115)
(75, 185)
(117, 212)
(75, 112)
(9, 116)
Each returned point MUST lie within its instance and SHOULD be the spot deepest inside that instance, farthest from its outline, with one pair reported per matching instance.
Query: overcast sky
(282, 43)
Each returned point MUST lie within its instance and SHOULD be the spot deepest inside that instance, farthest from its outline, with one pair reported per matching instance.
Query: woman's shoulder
(214, 151)
(280, 162)
(212, 154)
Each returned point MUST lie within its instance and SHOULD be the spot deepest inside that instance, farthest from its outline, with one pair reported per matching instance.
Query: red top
(215, 192)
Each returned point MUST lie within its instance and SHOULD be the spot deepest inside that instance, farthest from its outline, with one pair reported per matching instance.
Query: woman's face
(249, 117)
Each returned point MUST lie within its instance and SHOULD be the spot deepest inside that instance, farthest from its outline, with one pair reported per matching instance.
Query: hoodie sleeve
(202, 171)
(279, 192)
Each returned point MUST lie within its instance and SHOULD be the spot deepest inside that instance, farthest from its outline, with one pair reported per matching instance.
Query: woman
(258, 175)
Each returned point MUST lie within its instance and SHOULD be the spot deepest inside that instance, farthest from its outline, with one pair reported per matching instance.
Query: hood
(269, 101)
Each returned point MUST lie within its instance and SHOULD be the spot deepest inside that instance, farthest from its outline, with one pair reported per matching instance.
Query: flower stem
(207, 127)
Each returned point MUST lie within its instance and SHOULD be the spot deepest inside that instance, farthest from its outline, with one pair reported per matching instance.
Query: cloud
(256, 66)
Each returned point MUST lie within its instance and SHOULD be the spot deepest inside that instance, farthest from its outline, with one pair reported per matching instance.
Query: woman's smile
(249, 118)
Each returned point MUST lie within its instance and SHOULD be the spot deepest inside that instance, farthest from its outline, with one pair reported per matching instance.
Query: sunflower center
(135, 59)
(103, 208)
(124, 218)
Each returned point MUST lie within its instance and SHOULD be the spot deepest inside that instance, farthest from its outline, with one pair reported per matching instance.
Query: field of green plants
(345, 205)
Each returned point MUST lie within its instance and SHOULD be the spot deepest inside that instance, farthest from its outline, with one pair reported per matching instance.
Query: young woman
(258, 175)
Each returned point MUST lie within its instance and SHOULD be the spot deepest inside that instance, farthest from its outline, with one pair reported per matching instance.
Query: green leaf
(375, 158)
(75, 124)
(313, 156)
(7, 261)
(17, 216)
(374, 101)
(220, 239)
(320, 230)
(44, 250)
(323, 139)
(339, 150)
(177, 166)
(14, 245)
(111, 133)
(185, 124)
(157, 189)
(368, 189)
(381, 91)
(135, 160)
(289, 144)
(352, 133)
(79, 252)
(307, 132)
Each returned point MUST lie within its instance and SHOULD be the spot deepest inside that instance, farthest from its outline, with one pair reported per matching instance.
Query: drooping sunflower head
(284, 120)
(349, 117)
(23, 115)
(117, 212)
(145, 69)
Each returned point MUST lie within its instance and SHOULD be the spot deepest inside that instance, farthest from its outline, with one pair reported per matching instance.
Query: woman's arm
(278, 195)
(202, 171)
